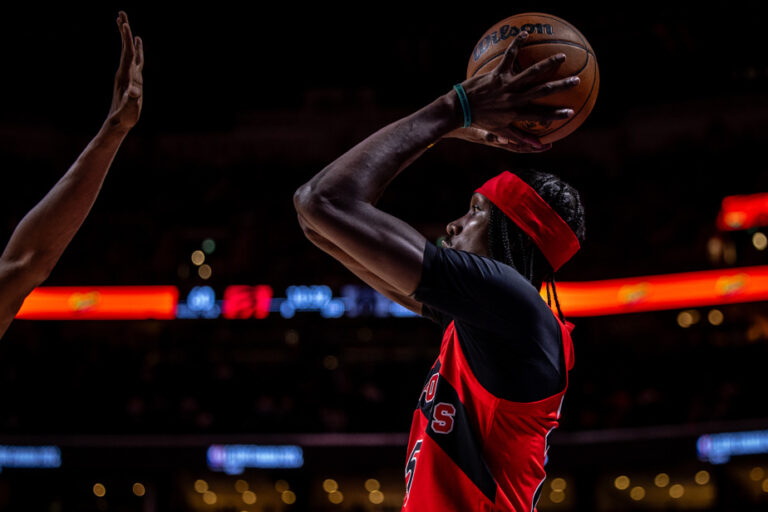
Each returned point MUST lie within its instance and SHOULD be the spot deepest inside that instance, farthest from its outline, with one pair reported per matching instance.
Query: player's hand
(502, 96)
(517, 142)
(129, 88)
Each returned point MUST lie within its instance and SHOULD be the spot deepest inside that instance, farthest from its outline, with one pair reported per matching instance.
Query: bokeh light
(330, 485)
(676, 491)
(208, 246)
(715, 317)
(241, 486)
(760, 241)
(376, 497)
(288, 497)
(201, 486)
(249, 497)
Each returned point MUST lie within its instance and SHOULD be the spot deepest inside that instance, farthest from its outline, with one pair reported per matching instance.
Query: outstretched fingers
(539, 72)
(523, 142)
(139, 53)
(553, 87)
(508, 61)
(128, 52)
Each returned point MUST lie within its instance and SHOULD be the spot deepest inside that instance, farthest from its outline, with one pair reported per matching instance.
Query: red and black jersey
(476, 442)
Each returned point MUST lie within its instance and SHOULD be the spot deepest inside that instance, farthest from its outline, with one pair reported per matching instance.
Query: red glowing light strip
(743, 212)
(100, 303)
(671, 291)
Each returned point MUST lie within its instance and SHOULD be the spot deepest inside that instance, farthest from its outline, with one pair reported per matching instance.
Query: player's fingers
(508, 61)
(522, 139)
(128, 39)
(542, 114)
(540, 71)
(548, 88)
(525, 148)
(139, 53)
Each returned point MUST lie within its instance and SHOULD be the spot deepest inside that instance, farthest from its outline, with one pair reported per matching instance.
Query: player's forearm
(362, 173)
(359, 270)
(44, 233)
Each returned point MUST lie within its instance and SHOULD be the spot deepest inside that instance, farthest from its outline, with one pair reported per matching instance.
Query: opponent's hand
(501, 97)
(522, 143)
(128, 90)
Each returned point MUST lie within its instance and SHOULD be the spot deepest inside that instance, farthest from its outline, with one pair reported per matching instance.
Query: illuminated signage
(201, 303)
(100, 303)
(233, 459)
(670, 291)
(242, 301)
(743, 212)
(719, 448)
(591, 298)
(32, 457)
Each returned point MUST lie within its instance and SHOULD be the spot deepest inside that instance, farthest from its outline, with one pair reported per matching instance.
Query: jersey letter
(442, 418)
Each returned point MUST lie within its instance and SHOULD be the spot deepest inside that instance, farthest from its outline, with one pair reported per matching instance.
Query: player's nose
(453, 228)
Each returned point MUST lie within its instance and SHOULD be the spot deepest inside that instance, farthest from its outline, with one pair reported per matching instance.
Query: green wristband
(464, 105)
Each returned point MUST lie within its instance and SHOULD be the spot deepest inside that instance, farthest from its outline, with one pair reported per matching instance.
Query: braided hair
(509, 244)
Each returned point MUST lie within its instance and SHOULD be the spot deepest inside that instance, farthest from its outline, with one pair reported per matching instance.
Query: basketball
(547, 36)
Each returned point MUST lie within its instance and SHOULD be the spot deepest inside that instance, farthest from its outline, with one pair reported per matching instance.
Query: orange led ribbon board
(100, 303)
(670, 291)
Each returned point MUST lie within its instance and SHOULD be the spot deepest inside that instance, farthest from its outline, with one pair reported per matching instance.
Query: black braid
(505, 241)
(549, 296)
(557, 302)
(509, 244)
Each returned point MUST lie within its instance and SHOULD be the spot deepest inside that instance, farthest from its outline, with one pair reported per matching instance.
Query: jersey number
(410, 468)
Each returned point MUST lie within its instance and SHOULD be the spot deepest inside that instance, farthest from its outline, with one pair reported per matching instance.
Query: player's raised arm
(336, 207)
(42, 235)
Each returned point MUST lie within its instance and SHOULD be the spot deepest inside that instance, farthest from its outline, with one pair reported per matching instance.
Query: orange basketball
(547, 35)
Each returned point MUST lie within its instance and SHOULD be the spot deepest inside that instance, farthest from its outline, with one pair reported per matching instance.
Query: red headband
(533, 215)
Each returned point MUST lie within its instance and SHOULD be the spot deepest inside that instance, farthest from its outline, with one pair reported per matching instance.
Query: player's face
(470, 232)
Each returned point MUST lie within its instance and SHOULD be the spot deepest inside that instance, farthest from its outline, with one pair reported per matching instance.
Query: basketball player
(479, 433)
(42, 235)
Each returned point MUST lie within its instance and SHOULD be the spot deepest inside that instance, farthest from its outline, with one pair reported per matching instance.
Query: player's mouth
(445, 243)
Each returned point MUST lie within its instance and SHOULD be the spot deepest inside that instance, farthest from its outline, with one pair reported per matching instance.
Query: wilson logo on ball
(548, 35)
(507, 31)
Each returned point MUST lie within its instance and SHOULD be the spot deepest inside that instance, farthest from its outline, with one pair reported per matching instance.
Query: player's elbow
(312, 203)
(301, 199)
(25, 272)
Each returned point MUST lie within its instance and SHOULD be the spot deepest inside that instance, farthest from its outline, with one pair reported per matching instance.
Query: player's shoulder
(502, 281)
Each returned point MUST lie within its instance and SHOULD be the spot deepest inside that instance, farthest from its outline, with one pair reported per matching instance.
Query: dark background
(244, 104)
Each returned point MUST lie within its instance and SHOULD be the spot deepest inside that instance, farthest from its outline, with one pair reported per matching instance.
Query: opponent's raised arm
(338, 203)
(42, 235)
